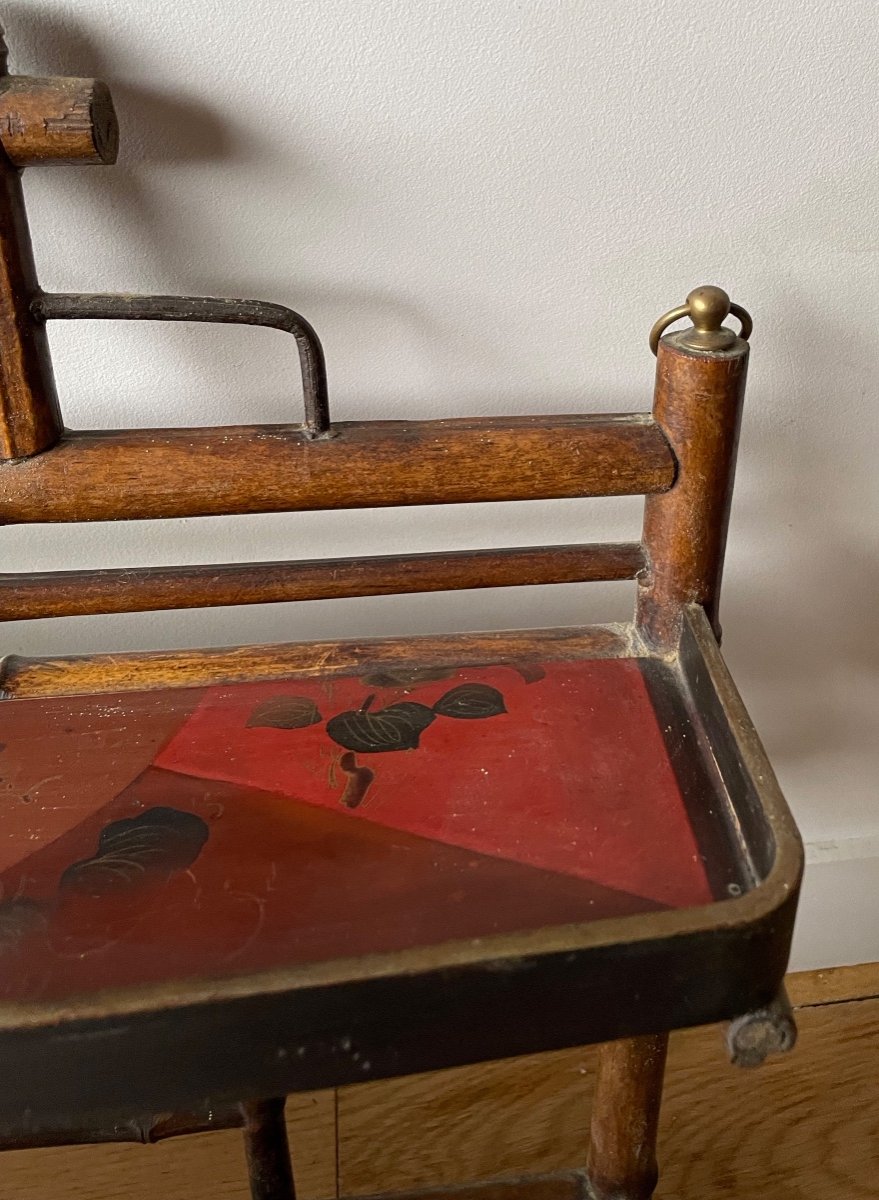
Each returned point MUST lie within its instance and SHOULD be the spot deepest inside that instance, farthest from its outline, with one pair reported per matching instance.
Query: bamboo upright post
(700, 384)
(30, 419)
(41, 120)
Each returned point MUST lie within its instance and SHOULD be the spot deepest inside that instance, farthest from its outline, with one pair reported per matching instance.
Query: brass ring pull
(707, 307)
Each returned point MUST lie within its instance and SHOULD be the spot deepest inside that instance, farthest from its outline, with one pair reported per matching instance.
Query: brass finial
(707, 307)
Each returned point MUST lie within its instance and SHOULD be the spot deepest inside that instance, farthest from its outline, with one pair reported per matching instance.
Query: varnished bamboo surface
(625, 1117)
(153, 473)
(30, 419)
(57, 120)
(76, 674)
(147, 589)
(805, 1125)
(698, 403)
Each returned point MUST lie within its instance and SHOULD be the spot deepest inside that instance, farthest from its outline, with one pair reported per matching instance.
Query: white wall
(483, 206)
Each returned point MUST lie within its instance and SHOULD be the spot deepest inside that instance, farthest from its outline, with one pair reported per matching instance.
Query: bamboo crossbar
(149, 589)
(161, 473)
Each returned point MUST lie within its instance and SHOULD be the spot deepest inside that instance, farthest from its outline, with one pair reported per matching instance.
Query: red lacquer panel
(62, 759)
(275, 883)
(179, 833)
(573, 776)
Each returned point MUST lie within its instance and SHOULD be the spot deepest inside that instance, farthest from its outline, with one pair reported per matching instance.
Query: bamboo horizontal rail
(144, 1128)
(160, 473)
(138, 671)
(149, 589)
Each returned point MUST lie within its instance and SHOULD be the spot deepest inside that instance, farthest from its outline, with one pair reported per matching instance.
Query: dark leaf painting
(470, 702)
(397, 727)
(284, 712)
(407, 676)
(531, 672)
(138, 849)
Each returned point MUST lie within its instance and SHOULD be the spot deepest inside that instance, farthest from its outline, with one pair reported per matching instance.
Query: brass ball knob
(709, 307)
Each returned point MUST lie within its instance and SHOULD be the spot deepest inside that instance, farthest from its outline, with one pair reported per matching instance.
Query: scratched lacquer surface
(211, 832)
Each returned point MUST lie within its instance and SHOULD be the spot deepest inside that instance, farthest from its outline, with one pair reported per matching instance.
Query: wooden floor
(803, 1126)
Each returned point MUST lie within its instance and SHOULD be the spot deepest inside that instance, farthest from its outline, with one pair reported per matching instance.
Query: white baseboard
(838, 917)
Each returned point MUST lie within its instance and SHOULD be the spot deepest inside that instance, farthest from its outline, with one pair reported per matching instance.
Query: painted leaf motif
(397, 727)
(138, 849)
(284, 712)
(530, 671)
(470, 702)
(407, 676)
(359, 780)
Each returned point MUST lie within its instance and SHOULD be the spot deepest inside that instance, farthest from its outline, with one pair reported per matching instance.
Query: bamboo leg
(268, 1154)
(625, 1117)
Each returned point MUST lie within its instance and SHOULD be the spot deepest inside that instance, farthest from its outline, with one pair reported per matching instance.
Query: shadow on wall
(160, 235)
(156, 126)
(372, 331)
